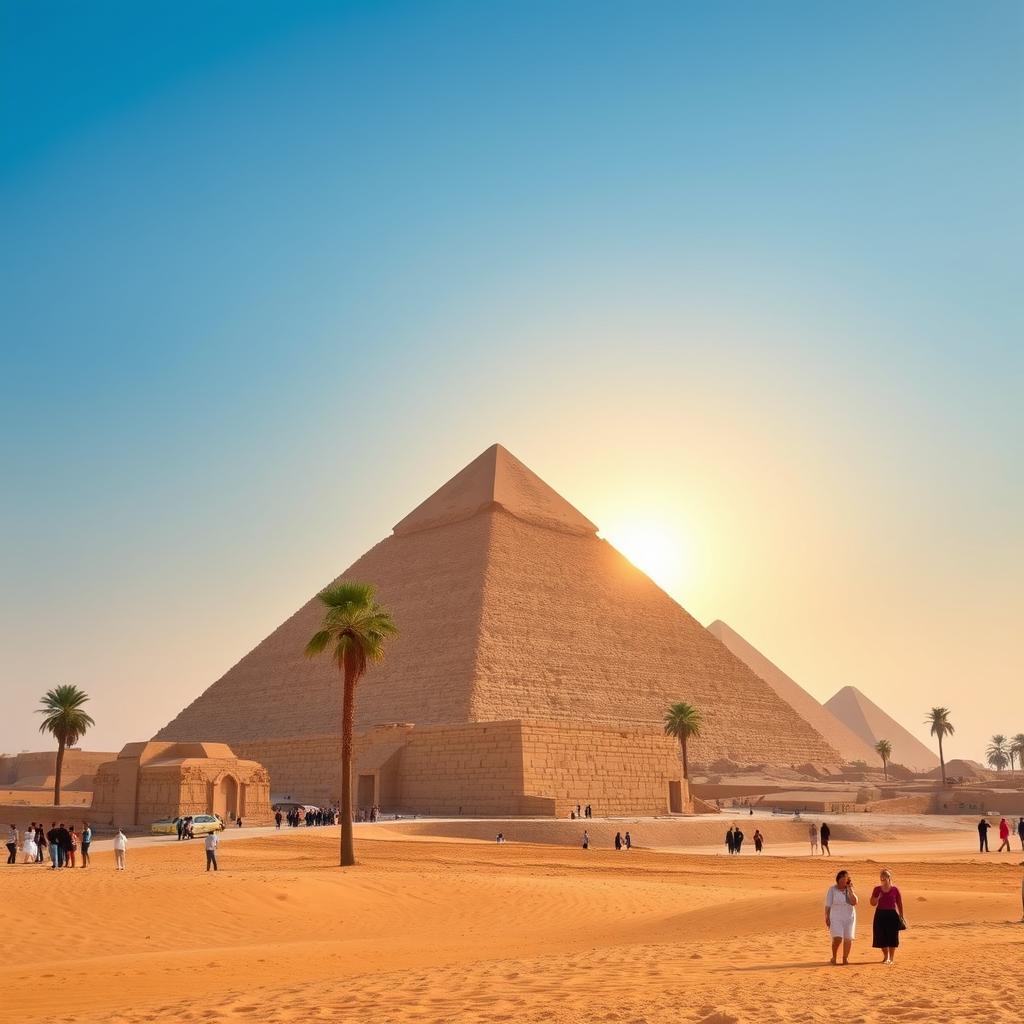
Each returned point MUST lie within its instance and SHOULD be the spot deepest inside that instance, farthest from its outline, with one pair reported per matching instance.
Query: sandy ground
(469, 931)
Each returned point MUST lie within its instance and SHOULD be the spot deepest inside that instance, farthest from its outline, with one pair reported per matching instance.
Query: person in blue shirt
(85, 841)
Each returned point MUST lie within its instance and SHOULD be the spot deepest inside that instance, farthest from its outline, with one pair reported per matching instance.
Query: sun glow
(660, 552)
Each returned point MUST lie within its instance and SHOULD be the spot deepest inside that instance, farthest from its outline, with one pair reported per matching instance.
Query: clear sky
(741, 280)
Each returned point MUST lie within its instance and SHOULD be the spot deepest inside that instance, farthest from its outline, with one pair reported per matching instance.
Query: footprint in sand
(719, 1017)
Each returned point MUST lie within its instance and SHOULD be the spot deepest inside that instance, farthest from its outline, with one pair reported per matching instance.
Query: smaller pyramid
(497, 478)
(847, 742)
(872, 724)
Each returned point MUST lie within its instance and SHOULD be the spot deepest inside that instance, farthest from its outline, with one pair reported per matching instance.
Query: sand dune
(477, 932)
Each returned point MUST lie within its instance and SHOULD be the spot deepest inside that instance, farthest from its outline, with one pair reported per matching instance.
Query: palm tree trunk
(942, 760)
(57, 771)
(348, 850)
(686, 766)
(885, 770)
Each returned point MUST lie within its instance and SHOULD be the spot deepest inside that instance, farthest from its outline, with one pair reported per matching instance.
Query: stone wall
(38, 768)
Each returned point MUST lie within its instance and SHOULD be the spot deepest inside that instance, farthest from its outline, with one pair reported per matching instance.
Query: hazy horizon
(741, 283)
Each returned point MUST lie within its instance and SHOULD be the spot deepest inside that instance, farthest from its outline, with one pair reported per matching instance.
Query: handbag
(902, 926)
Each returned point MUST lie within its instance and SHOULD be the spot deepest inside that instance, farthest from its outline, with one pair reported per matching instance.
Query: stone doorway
(366, 791)
(675, 798)
(225, 798)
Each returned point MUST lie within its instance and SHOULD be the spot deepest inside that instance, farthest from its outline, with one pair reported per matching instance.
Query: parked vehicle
(201, 825)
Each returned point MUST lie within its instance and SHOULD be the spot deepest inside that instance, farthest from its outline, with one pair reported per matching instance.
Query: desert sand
(449, 930)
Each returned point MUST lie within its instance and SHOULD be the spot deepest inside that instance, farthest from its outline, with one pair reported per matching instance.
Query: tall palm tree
(65, 721)
(884, 750)
(941, 726)
(997, 755)
(355, 628)
(1017, 746)
(683, 721)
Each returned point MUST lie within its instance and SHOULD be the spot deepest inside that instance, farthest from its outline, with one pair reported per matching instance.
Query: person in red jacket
(1004, 835)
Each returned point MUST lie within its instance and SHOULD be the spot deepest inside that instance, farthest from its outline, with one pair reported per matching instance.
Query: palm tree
(941, 726)
(884, 750)
(1017, 746)
(997, 755)
(354, 628)
(66, 722)
(683, 721)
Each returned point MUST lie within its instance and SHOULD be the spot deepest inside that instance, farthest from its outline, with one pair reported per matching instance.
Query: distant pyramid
(848, 743)
(872, 724)
(510, 609)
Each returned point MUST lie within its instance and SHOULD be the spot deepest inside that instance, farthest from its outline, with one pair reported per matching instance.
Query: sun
(660, 552)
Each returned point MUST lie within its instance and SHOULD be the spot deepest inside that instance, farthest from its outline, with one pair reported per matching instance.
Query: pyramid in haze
(510, 608)
(872, 724)
(847, 742)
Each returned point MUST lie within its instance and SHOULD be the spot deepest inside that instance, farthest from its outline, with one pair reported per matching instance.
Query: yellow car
(201, 824)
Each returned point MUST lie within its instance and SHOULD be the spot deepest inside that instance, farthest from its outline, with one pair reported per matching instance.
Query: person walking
(730, 841)
(628, 841)
(1020, 832)
(1004, 836)
(826, 833)
(618, 840)
(211, 850)
(812, 835)
(841, 916)
(12, 844)
(737, 841)
(983, 827)
(889, 920)
(758, 841)
(120, 849)
(277, 820)
(586, 840)
(86, 842)
(179, 825)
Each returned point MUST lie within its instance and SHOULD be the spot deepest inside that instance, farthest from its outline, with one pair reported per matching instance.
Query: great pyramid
(872, 724)
(848, 743)
(510, 608)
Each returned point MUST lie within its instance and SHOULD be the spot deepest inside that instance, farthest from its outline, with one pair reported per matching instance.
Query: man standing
(983, 827)
(86, 841)
(53, 839)
(120, 849)
(277, 820)
(211, 850)
(179, 824)
(1020, 832)
(730, 841)
(64, 839)
(12, 845)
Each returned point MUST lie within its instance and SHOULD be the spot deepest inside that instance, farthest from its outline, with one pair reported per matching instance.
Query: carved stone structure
(150, 781)
(533, 670)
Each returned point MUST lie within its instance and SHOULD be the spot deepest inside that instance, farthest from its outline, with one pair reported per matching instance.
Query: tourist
(28, 845)
(179, 824)
(40, 844)
(72, 846)
(590, 812)
(86, 843)
(1020, 832)
(628, 840)
(277, 820)
(889, 921)
(577, 810)
(211, 850)
(737, 841)
(1004, 836)
(54, 843)
(841, 915)
(12, 844)
(500, 838)
(238, 822)
(120, 849)
(618, 840)
(730, 843)
(758, 841)
(812, 834)
(983, 827)
(825, 832)
(586, 840)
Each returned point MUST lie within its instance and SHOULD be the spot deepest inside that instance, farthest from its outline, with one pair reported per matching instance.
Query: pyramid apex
(497, 477)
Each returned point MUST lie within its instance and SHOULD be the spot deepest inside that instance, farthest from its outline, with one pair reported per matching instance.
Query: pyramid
(847, 742)
(872, 724)
(510, 608)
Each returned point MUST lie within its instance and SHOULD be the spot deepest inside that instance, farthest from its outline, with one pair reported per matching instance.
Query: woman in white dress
(841, 915)
(29, 849)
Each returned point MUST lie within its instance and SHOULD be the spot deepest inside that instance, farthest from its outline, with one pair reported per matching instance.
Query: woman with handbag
(889, 920)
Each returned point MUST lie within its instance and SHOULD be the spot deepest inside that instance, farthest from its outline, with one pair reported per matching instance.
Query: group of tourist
(734, 840)
(841, 904)
(1005, 831)
(63, 843)
(312, 816)
(581, 812)
(821, 835)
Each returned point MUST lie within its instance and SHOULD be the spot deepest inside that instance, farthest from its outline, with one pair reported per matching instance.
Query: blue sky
(271, 273)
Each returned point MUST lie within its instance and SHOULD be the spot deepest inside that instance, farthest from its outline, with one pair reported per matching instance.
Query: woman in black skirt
(889, 920)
